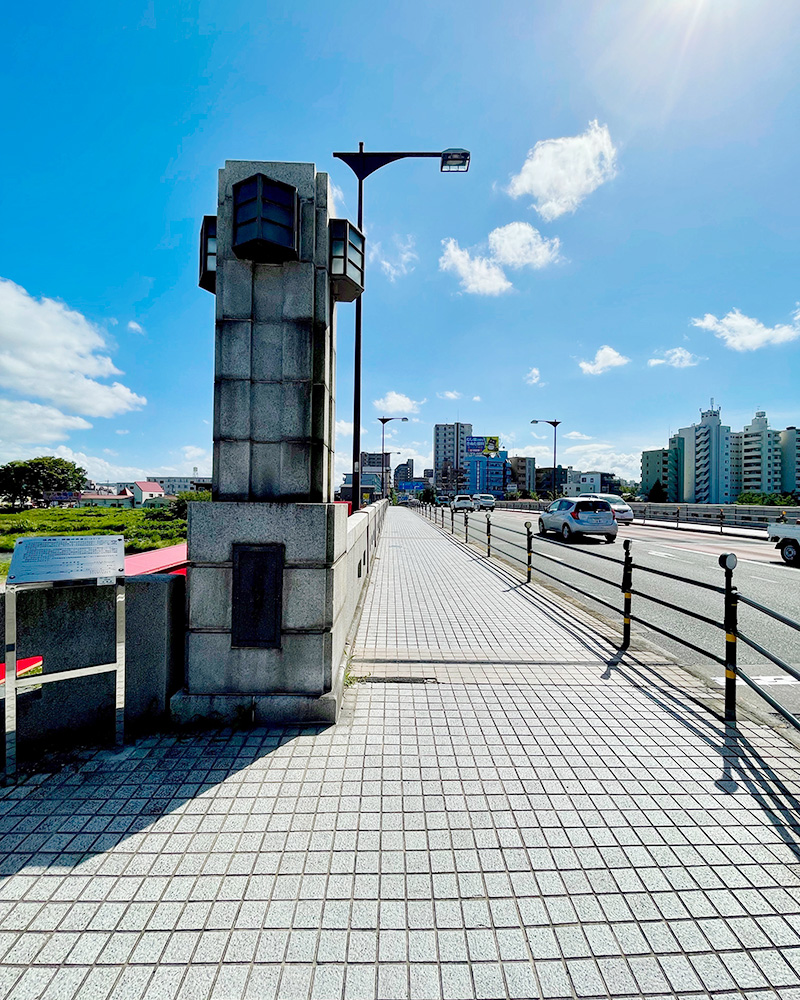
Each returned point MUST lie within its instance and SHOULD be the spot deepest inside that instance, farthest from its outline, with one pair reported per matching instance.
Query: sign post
(44, 564)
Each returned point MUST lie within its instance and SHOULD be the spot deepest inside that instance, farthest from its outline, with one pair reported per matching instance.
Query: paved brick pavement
(525, 821)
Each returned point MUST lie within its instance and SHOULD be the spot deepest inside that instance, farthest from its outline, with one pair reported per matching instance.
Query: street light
(554, 424)
(363, 164)
(384, 421)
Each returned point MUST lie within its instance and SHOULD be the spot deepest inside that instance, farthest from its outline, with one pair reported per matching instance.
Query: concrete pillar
(271, 520)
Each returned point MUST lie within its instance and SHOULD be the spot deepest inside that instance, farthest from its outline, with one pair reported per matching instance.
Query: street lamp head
(404, 419)
(534, 421)
(455, 161)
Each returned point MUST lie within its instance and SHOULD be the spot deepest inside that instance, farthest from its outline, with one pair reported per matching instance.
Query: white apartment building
(706, 460)
(450, 445)
(756, 458)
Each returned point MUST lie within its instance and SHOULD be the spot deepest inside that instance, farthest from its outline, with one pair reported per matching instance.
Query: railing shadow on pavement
(739, 757)
(81, 804)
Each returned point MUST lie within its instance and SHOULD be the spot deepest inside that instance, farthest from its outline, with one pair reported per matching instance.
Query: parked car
(462, 502)
(483, 501)
(573, 516)
(622, 512)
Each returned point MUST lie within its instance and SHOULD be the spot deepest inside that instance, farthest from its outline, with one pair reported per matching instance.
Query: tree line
(37, 479)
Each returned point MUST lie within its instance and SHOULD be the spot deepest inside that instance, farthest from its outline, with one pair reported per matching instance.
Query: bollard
(530, 550)
(488, 536)
(627, 586)
(728, 562)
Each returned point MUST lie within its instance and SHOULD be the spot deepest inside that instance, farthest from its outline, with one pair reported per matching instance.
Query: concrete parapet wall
(74, 627)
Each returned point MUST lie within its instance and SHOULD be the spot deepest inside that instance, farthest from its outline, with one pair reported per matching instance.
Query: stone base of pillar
(295, 676)
(259, 709)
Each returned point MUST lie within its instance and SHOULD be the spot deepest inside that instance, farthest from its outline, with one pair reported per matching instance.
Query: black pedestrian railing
(459, 524)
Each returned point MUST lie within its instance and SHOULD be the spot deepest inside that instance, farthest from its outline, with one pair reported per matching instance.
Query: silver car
(622, 512)
(573, 516)
(483, 501)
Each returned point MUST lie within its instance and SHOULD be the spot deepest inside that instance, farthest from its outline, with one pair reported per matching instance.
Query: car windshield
(593, 506)
(615, 501)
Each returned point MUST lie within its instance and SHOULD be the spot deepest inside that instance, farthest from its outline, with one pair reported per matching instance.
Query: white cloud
(344, 428)
(677, 357)
(559, 173)
(476, 399)
(201, 457)
(122, 432)
(605, 359)
(577, 436)
(336, 196)
(533, 376)
(55, 353)
(520, 245)
(598, 455)
(22, 422)
(401, 262)
(134, 327)
(742, 333)
(478, 275)
(396, 402)
(110, 451)
(449, 394)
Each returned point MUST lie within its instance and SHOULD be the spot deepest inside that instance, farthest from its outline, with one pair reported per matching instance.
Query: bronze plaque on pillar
(257, 595)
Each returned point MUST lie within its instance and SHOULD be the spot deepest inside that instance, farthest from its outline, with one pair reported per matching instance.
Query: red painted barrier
(23, 666)
(171, 559)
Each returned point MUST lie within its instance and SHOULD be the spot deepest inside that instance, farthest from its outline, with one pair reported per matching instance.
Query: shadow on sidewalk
(92, 802)
(743, 767)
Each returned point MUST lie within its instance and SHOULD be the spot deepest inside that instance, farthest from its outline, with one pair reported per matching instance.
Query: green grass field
(141, 531)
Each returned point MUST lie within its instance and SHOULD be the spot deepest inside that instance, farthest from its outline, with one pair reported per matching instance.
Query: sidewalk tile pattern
(570, 831)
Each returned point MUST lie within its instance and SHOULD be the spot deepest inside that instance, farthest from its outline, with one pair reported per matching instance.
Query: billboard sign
(483, 445)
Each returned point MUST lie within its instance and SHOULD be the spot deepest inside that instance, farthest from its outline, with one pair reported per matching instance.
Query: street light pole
(554, 424)
(363, 164)
(384, 421)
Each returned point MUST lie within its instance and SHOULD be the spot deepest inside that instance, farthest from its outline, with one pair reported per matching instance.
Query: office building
(449, 446)
(404, 472)
(523, 472)
(488, 474)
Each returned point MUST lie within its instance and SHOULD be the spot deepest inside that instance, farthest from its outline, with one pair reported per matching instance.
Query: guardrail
(715, 516)
(731, 598)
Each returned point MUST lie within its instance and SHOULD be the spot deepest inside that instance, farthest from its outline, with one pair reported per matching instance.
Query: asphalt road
(693, 556)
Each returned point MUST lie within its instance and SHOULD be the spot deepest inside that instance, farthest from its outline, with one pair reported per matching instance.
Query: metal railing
(459, 524)
(712, 516)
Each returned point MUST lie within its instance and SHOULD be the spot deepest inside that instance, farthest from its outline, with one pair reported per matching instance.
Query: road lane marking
(667, 555)
(764, 579)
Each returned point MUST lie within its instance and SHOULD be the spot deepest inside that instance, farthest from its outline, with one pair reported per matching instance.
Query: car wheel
(611, 538)
(790, 553)
(542, 529)
(566, 534)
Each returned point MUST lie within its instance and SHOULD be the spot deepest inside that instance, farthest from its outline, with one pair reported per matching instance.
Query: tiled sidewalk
(526, 821)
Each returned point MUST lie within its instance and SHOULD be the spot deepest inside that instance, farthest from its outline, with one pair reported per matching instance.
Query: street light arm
(363, 164)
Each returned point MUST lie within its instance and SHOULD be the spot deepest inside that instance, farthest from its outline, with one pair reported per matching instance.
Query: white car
(573, 516)
(622, 512)
(462, 502)
(483, 501)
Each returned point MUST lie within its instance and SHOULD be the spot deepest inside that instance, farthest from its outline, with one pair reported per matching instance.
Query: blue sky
(623, 248)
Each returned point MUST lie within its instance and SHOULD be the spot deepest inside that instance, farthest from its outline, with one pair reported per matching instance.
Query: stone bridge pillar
(265, 583)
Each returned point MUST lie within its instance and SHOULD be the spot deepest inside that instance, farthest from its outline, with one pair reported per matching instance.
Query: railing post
(488, 536)
(721, 518)
(677, 516)
(728, 562)
(452, 521)
(530, 550)
(627, 587)
(466, 528)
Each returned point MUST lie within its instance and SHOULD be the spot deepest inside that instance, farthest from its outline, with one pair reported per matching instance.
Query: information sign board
(69, 557)
(482, 445)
